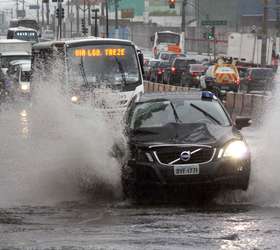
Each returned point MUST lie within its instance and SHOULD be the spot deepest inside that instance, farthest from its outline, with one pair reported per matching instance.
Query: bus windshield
(103, 64)
(26, 35)
(168, 38)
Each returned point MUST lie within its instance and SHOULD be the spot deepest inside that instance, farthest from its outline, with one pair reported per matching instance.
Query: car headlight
(25, 87)
(235, 150)
(74, 99)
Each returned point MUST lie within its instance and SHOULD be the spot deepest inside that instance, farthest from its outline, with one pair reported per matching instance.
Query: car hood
(176, 133)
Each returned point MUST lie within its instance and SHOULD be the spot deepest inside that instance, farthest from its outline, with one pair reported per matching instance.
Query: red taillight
(194, 74)
(173, 69)
(160, 71)
(237, 81)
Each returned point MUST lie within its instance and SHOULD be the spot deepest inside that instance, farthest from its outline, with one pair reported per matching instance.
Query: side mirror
(141, 60)
(242, 122)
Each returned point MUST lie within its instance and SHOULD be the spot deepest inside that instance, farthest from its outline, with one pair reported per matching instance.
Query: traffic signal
(172, 4)
(57, 12)
(211, 33)
(84, 28)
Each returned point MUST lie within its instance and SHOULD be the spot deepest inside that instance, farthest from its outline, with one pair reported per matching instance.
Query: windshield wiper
(206, 113)
(175, 113)
(121, 70)
(83, 73)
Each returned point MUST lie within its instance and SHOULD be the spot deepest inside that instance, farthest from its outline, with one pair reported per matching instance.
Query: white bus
(22, 33)
(90, 64)
(168, 41)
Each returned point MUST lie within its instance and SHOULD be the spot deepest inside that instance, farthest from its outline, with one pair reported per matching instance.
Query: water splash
(54, 150)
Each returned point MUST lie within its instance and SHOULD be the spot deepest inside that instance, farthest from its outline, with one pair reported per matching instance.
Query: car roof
(16, 53)
(190, 95)
(15, 62)
(21, 28)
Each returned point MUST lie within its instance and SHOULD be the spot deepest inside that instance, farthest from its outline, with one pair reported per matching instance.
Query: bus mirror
(152, 38)
(141, 60)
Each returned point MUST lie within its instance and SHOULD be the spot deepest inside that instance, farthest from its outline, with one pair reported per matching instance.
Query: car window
(261, 73)
(225, 70)
(197, 68)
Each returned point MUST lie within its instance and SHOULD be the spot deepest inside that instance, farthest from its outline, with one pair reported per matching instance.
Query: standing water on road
(52, 157)
(49, 153)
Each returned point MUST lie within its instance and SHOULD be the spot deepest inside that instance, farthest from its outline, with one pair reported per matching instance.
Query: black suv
(177, 72)
(257, 79)
(183, 140)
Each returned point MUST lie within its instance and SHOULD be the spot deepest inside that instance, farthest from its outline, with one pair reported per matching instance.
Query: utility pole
(116, 19)
(43, 15)
(48, 12)
(183, 24)
(95, 11)
(264, 33)
(37, 11)
(107, 18)
(89, 14)
(278, 17)
(16, 8)
(77, 18)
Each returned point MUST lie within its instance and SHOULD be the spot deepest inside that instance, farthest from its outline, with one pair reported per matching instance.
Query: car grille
(170, 155)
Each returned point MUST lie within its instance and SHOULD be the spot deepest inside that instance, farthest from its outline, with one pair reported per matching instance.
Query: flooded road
(50, 164)
(122, 226)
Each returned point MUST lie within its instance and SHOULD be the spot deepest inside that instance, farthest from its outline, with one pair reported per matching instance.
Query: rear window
(197, 68)
(182, 63)
(261, 73)
(227, 70)
(165, 56)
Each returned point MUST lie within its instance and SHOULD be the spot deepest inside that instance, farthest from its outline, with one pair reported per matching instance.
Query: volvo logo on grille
(185, 156)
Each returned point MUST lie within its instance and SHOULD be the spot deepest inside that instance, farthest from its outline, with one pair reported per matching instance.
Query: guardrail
(242, 104)
(158, 87)
(237, 104)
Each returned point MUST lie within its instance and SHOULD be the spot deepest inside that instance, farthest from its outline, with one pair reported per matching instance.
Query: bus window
(102, 64)
(169, 38)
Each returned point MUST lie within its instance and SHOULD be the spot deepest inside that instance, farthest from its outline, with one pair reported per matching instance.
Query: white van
(24, 75)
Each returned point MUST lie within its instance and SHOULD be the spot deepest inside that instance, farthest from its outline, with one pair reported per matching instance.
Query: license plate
(187, 170)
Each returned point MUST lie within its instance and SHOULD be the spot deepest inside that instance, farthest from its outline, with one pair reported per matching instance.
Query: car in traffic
(149, 63)
(258, 79)
(174, 75)
(158, 70)
(220, 78)
(191, 77)
(183, 140)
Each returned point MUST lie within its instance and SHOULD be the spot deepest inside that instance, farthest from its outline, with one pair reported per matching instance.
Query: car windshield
(159, 114)
(5, 60)
(103, 64)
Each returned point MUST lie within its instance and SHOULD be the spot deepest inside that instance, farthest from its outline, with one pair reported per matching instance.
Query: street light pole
(264, 33)
(183, 24)
(107, 18)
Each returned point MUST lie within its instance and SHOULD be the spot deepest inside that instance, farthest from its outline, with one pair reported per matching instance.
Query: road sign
(127, 13)
(20, 13)
(214, 22)
(34, 7)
